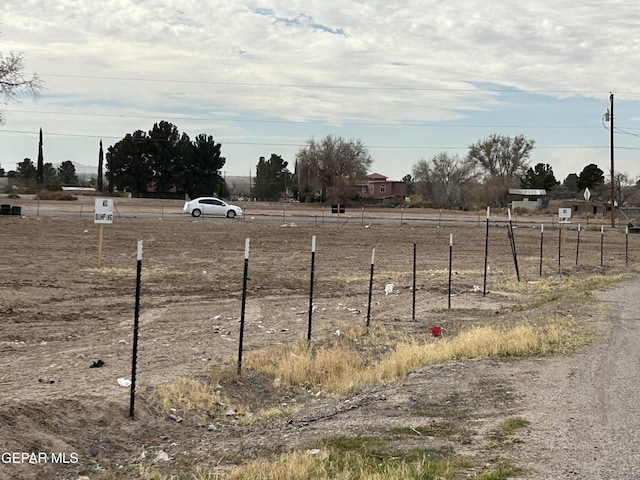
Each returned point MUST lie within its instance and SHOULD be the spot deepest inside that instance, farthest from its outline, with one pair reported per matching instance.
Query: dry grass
(288, 466)
(561, 283)
(55, 195)
(327, 464)
(185, 396)
(343, 365)
(359, 357)
(349, 362)
(147, 472)
(250, 417)
(366, 459)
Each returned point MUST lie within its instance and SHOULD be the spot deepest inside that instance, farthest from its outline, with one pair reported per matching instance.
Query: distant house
(580, 207)
(378, 186)
(528, 198)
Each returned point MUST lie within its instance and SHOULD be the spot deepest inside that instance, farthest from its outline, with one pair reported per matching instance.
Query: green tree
(26, 172)
(129, 167)
(540, 176)
(590, 177)
(568, 188)
(327, 169)
(571, 182)
(201, 163)
(39, 171)
(49, 174)
(504, 161)
(100, 164)
(410, 184)
(272, 178)
(67, 173)
(163, 160)
(164, 154)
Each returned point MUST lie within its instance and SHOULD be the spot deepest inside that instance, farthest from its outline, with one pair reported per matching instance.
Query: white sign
(103, 210)
(587, 194)
(564, 215)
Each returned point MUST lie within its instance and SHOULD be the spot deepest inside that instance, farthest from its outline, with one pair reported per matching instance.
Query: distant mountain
(84, 169)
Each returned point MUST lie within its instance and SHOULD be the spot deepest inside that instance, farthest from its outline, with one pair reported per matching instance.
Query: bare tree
(13, 80)
(626, 188)
(327, 168)
(450, 177)
(421, 171)
(447, 178)
(504, 160)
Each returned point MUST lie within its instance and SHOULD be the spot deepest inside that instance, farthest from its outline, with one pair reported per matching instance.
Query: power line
(287, 144)
(620, 130)
(327, 86)
(301, 122)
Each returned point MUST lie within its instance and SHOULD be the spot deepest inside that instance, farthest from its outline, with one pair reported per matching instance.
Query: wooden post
(100, 235)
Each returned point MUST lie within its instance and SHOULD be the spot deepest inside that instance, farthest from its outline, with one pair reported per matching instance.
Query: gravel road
(584, 408)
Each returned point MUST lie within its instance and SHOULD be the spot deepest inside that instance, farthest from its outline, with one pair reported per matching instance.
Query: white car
(211, 206)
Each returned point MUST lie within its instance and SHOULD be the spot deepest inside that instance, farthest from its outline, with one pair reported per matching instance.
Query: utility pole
(613, 180)
(608, 117)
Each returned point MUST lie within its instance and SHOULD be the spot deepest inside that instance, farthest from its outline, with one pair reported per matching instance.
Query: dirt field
(60, 312)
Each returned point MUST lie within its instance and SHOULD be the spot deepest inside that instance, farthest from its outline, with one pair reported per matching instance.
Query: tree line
(50, 177)
(496, 164)
(165, 162)
(327, 170)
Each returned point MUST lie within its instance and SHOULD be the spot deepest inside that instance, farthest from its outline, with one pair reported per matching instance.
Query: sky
(410, 79)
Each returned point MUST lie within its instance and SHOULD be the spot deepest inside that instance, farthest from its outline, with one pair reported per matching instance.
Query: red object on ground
(436, 331)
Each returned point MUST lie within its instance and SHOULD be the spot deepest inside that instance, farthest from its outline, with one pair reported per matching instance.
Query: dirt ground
(60, 312)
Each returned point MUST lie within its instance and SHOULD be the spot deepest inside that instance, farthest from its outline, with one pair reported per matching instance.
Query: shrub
(58, 195)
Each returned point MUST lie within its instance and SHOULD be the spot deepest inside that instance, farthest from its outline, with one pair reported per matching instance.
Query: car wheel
(231, 214)
(196, 212)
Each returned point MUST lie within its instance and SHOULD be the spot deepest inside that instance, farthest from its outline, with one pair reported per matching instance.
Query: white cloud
(330, 64)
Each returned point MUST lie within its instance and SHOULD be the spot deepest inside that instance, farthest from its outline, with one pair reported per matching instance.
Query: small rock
(161, 456)
(123, 382)
(175, 418)
(211, 427)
